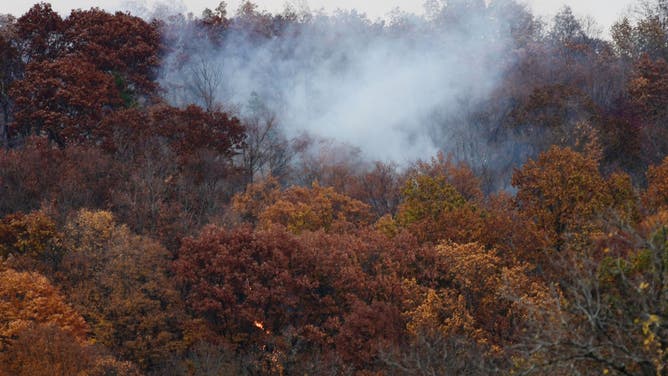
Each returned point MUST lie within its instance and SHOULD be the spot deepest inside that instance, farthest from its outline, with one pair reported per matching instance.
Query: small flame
(260, 325)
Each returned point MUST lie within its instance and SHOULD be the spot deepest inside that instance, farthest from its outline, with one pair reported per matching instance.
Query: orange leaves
(446, 313)
(27, 298)
(477, 277)
(300, 209)
(250, 204)
(656, 196)
(561, 191)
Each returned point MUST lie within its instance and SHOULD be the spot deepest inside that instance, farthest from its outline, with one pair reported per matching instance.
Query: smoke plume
(399, 89)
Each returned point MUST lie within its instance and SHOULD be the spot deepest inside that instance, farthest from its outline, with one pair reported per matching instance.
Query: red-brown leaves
(186, 131)
(65, 99)
(326, 291)
(190, 129)
(79, 69)
(119, 43)
(39, 174)
(40, 32)
(235, 278)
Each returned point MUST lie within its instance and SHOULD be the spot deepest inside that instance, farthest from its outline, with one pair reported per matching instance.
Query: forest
(472, 191)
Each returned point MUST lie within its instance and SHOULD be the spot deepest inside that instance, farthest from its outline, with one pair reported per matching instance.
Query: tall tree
(119, 44)
(64, 99)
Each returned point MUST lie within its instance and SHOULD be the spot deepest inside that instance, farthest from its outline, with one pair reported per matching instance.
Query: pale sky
(604, 11)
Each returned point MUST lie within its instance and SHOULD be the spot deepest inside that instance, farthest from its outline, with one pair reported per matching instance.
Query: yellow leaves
(475, 296)
(256, 198)
(654, 223)
(90, 228)
(445, 312)
(472, 266)
(427, 197)
(32, 234)
(587, 141)
(434, 210)
(425, 315)
(653, 342)
(118, 280)
(651, 321)
(624, 195)
(459, 175)
(639, 86)
(387, 225)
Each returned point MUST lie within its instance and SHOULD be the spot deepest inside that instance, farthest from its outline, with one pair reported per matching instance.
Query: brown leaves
(192, 128)
(119, 282)
(236, 278)
(47, 350)
(656, 196)
(40, 175)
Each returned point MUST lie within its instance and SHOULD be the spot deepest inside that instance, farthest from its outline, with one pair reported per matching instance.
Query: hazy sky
(605, 11)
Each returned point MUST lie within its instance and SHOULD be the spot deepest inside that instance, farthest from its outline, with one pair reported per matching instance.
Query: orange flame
(260, 325)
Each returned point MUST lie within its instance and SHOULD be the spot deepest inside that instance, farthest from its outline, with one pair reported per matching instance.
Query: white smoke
(397, 90)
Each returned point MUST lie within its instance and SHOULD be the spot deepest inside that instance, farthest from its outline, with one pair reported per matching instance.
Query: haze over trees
(474, 191)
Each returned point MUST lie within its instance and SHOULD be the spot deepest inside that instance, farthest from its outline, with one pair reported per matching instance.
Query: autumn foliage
(142, 237)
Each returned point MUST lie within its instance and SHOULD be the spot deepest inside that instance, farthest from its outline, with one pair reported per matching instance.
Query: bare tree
(205, 82)
(434, 354)
(266, 150)
(608, 314)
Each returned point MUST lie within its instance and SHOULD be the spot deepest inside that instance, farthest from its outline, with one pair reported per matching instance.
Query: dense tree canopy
(153, 224)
